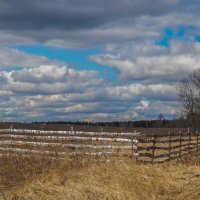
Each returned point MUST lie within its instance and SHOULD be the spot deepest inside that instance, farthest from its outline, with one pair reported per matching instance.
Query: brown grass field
(77, 178)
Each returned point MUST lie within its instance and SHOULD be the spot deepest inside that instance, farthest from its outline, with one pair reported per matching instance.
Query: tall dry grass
(43, 178)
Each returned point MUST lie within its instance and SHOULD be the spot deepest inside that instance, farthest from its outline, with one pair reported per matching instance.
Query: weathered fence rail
(43, 132)
(154, 148)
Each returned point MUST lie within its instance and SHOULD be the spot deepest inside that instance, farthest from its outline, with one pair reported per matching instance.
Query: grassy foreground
(41, 179)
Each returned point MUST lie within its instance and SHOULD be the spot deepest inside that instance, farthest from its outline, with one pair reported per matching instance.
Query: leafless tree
(189, 95)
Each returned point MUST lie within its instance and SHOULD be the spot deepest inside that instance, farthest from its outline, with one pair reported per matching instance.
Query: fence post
(189, 139)
(153, 148)
(180, 143)
(72, 129)
(11, 130)
(170, 146)
(134, 152)
(132, 149)
(197, 134)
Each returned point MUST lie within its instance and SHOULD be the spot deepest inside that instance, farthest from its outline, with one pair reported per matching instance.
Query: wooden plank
(149, 162)
(163, 155)
(78, 138)
(18, 150)
(45, 144)
(102, 154)
(5, 142)
(166, 154)
(161, 141)
(39, 132)
(189, 148)
(162, 147)
(149, 155)
(151, 135)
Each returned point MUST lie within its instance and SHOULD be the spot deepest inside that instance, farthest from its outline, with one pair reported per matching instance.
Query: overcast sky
(95, 60)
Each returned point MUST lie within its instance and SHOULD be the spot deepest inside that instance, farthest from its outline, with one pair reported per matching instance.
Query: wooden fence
(153, 148)
(158, 148)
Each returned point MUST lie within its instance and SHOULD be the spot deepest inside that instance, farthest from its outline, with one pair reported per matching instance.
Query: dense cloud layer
(88, 23)
(75, 14)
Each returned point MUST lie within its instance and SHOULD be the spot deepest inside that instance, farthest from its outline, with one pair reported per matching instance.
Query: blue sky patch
(79, 59)
(197, 38)
(167, 36)
(181, 33)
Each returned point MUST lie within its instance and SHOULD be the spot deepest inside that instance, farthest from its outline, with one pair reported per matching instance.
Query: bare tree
(189, 95)
(196, 79)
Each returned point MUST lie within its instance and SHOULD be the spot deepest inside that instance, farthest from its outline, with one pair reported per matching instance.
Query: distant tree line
(157, 123)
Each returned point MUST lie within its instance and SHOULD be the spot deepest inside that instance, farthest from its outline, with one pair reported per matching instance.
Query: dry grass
(41, 179)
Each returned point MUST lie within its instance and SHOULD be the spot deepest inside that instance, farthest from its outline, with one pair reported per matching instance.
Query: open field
(38, 179)
(29, 176)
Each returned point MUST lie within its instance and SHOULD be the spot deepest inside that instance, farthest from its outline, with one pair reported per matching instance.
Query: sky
(89, 60)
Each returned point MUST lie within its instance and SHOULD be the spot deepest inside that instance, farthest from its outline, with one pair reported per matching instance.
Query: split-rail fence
(153, 148)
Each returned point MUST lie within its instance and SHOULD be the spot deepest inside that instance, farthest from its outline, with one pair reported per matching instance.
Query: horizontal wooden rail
(165, 147)
(59, 145)
(52, 153)
(162, 155)
(19, 150)
(41, 132)
(172, 134)
(163, 141)
(124, 140)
